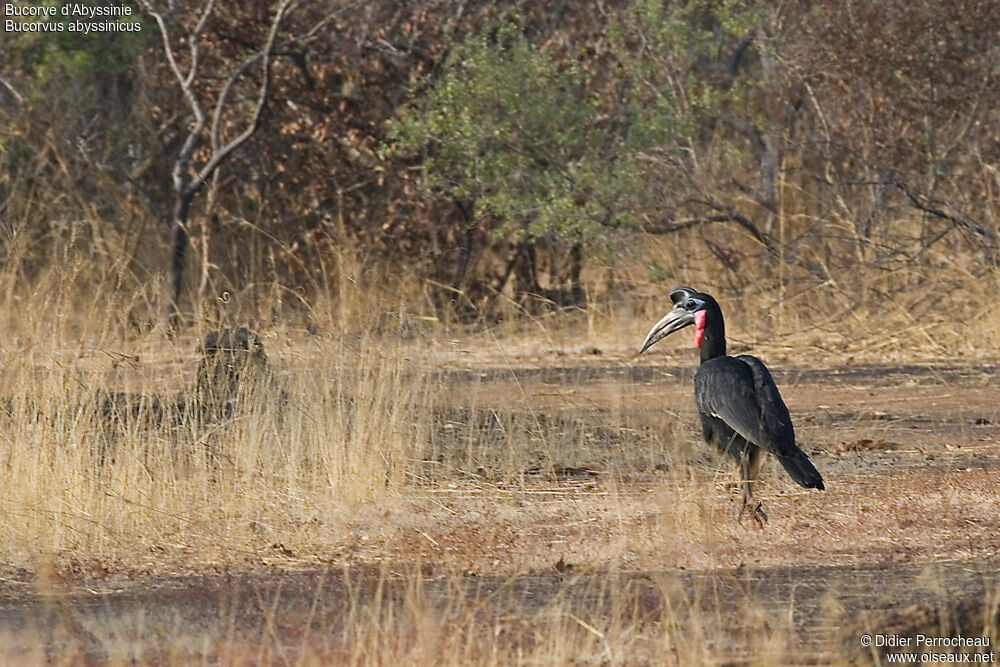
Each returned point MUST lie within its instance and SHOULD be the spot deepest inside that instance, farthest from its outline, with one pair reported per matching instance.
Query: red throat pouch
(699, 327)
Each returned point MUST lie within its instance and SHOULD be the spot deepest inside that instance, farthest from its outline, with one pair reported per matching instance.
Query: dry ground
(567, 512)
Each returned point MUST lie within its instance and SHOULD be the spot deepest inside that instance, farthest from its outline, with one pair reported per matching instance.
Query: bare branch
(194, 42)
(224, 95)
(186, 183)
(299, 40)
(664, 227)
(220, 155)
(185, 81)
(729, 214)
(958, 219)
(13, 91)
(308, 36)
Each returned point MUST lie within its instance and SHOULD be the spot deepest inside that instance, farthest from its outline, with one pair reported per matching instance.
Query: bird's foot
(757, 513)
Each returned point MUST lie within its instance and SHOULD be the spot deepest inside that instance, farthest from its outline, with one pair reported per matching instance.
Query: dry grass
(374, 465)
(163, 490)
(387, 616)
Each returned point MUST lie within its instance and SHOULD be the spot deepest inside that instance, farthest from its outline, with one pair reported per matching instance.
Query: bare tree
(189, 178)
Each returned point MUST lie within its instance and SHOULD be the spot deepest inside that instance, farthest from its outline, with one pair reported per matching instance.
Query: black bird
(741, 410)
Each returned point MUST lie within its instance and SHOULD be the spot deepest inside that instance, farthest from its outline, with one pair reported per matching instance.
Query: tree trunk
(575, 269)
(525, 272)
(466, 250)
(178, 255)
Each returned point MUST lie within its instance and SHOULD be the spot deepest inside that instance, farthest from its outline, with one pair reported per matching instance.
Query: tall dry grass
(342, 431)
(353, 427)
(359, 420)
(359, 428)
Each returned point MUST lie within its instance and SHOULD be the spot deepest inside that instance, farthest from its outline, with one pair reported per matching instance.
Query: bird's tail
(802, 470)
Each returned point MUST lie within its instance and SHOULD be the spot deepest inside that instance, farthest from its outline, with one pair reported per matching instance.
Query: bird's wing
(740, 391)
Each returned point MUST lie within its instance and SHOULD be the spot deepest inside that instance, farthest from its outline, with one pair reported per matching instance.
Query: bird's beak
(678, 318)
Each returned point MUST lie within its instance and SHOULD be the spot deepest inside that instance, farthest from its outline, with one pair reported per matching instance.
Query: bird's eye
(691, 305)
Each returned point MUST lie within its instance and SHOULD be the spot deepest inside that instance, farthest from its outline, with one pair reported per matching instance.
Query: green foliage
(673, 59)
(87, 58)
(544, 147)
(510, 128)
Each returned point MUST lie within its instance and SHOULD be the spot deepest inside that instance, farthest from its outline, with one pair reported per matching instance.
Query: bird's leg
(750, 463)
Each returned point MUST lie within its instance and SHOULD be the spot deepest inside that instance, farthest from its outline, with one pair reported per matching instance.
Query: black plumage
(741, 410)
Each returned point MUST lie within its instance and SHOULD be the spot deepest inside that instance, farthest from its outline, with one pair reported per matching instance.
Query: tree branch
(663, 227)
(13, 91)
(185, 81)
(729, 214)
(958, 219)
(220, 155)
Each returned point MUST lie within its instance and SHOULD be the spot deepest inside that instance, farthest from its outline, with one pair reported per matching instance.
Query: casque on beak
(676, 319)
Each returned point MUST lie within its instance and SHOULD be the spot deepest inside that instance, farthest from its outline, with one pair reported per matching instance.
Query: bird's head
(690, 307)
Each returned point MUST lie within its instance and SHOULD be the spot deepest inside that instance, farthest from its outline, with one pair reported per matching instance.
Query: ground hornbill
(741, 410)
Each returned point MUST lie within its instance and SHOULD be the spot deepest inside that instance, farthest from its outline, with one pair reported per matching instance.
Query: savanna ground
(452, 222)
(533, 494)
